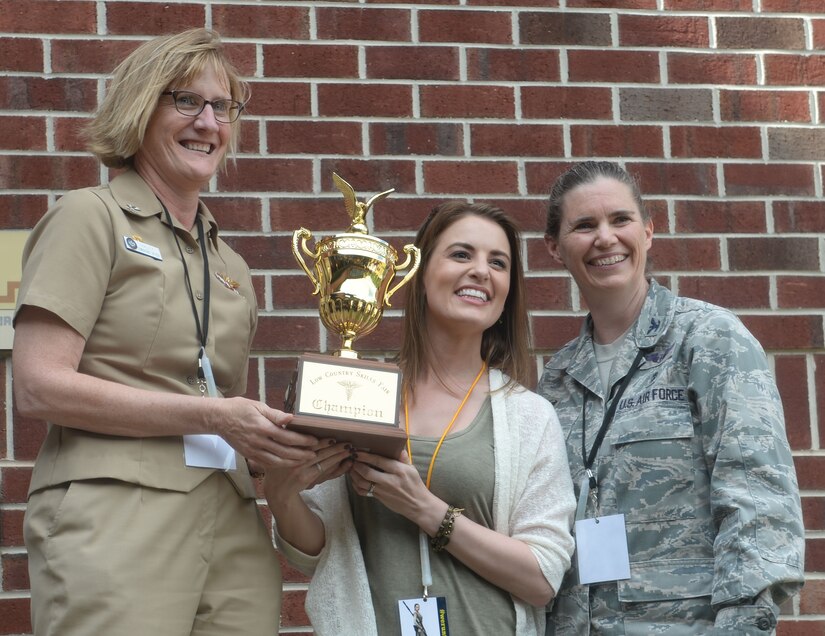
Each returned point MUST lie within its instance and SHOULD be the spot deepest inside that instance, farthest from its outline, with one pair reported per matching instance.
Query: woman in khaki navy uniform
(689, 518)
(133, 316)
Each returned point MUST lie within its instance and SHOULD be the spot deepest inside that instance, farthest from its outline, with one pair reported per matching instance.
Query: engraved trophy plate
(340, 395)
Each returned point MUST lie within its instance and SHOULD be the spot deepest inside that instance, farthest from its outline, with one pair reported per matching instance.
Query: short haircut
(117, 129)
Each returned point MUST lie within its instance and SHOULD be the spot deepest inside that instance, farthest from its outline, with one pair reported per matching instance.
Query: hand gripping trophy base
(343, 397)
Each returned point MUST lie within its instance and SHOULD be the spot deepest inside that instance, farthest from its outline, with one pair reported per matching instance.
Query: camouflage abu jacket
(697, 460)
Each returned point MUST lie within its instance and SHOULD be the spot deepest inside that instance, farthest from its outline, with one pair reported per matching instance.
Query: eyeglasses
(191, 104)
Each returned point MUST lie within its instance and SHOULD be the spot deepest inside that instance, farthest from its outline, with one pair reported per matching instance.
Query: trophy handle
(303, 234)
(414, 255)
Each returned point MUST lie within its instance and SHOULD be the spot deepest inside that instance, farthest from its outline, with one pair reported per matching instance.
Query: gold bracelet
(442, 537)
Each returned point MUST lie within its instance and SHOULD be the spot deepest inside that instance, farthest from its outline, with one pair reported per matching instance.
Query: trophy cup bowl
(342, 396)
(353, 273)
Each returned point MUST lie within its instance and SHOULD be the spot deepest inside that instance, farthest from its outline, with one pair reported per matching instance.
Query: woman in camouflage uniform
(694, 454)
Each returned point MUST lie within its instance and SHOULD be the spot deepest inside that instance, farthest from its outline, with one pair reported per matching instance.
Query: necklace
(423, 539)
(446, 430)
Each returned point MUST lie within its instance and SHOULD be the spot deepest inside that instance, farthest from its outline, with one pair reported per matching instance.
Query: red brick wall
(716, 104)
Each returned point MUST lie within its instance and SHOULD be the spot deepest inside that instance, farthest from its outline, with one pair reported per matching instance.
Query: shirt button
(199, 296)
(190, 379)
(189, 250)
(764, 624)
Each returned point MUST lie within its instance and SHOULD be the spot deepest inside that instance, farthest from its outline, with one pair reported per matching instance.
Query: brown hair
(580, 174)
(505, 345)
(117, 130)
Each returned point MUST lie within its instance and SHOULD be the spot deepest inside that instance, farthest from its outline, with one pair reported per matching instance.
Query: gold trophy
(341, 396)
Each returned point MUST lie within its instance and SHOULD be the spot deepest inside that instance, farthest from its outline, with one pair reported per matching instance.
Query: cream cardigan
(532, 501)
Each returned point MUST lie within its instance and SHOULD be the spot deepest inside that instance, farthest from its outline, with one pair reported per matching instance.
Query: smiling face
(181, 151)
(603, 239)
(467, 278)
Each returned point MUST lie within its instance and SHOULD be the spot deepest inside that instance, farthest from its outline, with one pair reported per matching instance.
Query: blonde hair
(117, 130)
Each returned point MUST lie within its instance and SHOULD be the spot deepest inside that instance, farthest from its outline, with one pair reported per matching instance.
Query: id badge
(423, 617)
(205, 450)
(601, 549)
(208, 451)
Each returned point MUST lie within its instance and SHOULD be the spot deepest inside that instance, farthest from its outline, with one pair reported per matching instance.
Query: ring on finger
(318, 466)
(371, 490)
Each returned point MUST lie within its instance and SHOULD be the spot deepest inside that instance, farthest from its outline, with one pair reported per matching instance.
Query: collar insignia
(658, 356)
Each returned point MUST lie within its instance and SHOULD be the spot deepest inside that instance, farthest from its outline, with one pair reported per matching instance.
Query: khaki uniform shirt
(134, 311)
(697, 460)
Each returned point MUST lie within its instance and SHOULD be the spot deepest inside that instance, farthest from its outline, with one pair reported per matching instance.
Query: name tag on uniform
(139, 247)
(601, 549)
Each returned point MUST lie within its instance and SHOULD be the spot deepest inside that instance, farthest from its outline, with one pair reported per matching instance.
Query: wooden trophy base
(348, 400)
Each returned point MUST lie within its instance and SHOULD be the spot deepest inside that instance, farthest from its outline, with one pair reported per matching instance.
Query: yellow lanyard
(446, 430)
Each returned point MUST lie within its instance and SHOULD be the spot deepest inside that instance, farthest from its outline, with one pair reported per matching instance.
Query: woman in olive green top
(483, 490)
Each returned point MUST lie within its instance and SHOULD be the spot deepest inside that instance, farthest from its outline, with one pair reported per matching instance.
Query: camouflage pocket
(772, 487)
(668, 596)
(668, 580)
(653, 466)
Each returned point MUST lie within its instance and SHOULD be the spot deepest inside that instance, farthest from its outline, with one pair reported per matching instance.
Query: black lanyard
(608, 418)
(202, 334)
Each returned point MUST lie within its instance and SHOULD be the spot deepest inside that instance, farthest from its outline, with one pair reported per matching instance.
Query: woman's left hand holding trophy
(283, 485)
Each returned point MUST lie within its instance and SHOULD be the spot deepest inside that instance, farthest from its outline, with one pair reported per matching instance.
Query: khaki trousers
(109, 558)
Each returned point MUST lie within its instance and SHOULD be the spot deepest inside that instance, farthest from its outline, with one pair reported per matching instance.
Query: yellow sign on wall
(11, 253)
